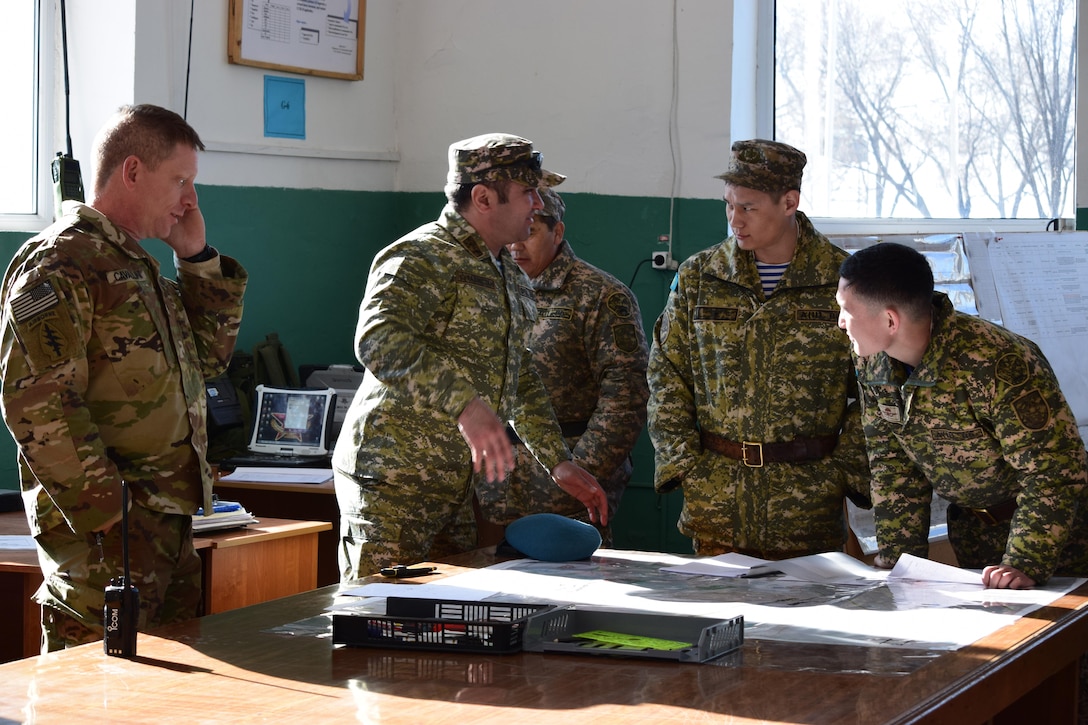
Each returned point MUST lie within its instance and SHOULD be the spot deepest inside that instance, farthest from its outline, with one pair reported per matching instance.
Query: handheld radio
(67, 181)
(121, 614)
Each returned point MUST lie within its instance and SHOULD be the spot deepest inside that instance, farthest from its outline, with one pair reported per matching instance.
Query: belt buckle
(985, 516)
(744, 453)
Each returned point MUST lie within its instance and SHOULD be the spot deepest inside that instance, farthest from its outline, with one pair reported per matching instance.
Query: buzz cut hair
(891, 275)
(151, 133)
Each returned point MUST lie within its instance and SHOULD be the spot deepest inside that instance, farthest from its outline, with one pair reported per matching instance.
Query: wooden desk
(267, 560)
(310, 501)
(231, 668)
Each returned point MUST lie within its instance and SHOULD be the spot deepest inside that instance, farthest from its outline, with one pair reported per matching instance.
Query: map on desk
(885, 611)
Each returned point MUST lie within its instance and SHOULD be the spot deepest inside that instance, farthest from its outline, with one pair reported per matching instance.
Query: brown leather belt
(996, 514)
(754, 454)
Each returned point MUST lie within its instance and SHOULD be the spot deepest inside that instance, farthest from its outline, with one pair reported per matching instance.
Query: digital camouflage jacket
(438, 325)
(747, 368)
(980, 421)
(590, 351)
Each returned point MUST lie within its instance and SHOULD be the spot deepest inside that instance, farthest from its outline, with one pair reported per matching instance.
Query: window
(930, 110)
(25, 124)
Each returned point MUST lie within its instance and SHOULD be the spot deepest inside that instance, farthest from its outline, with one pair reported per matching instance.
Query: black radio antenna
(67, 94)
(67, 180)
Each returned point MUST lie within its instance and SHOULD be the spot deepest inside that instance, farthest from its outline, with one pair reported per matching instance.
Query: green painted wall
(308, 252)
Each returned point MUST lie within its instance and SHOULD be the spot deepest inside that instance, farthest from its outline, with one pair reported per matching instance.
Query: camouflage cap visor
(524, 169)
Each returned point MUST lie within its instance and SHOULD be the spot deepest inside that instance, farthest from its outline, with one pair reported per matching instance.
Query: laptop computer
(290, 428)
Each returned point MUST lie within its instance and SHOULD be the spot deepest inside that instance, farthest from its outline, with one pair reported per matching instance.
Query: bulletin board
(313, 37)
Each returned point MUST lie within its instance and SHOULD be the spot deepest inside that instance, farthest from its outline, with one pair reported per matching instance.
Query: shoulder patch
(1032, 410)
(34, 301)
(619, 304)
(44, 326)
(1011, 369)
(624, 336)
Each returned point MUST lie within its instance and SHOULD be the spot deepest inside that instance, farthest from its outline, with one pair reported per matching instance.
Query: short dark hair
(548, 220)
(459, 194)
(891, 275)
(151, 133)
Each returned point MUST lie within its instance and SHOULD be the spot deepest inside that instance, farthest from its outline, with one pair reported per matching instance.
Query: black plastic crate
(703, 638)
(437, 624)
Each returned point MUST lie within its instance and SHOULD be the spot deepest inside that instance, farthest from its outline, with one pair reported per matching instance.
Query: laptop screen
(292, 421)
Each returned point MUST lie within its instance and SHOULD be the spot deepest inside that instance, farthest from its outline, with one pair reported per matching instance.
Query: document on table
(925, 570)
(728, 565)
(270, 474)
(834, 567)
(17, 543)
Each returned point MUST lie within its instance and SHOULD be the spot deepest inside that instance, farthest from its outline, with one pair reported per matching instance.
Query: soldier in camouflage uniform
(103, 369)
(751, 382)
(590, 352)
(963, 407)
(444, 331)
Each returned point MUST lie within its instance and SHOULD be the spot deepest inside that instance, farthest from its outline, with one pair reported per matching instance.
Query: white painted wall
(590, 83)
(593, 84)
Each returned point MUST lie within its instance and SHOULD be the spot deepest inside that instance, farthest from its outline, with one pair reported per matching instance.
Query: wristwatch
(203, 255)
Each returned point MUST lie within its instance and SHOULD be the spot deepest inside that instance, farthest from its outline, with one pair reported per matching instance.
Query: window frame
(753, 66)
(47, 59)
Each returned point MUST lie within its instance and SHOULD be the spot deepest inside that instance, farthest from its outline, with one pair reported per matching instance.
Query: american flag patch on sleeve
(34, 301)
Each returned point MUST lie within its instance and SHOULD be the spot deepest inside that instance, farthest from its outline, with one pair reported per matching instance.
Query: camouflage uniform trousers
(400, 519)
(162, 561)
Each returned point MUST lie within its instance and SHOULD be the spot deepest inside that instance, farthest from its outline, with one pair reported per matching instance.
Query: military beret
(553, 204)
(498, 157)
(764, 165)
(551, 537)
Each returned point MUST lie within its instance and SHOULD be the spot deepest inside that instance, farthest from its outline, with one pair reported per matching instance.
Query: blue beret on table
(551, 537)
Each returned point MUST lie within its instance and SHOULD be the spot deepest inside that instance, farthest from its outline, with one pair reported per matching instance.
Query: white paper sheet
(17, 543)
(728, 565)
(266, 474)
(928, 615)
(918, 569)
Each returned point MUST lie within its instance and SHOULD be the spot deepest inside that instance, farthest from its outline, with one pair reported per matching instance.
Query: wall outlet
(663, 260)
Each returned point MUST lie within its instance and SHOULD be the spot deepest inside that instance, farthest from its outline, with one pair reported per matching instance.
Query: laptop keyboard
(275, 460)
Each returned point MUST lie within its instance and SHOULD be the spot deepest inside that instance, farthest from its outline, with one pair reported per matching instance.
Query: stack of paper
(225, 515)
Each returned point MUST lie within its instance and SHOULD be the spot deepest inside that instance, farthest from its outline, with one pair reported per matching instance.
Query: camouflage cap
(553, 204)
(765, 165)
(498, 157)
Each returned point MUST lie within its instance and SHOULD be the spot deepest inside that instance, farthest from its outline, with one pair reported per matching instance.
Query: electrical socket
(663, 260)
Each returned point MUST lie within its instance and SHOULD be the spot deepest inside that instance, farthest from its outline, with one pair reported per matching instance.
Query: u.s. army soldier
(103, 364)
(444, 331)
(960, 406)
(751, 381)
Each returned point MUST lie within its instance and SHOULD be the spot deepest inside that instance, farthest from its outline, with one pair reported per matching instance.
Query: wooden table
(231, 667)
(310, 501)
(270, 559)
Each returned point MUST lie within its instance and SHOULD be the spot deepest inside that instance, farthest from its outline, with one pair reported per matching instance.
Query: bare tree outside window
(930, 109)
